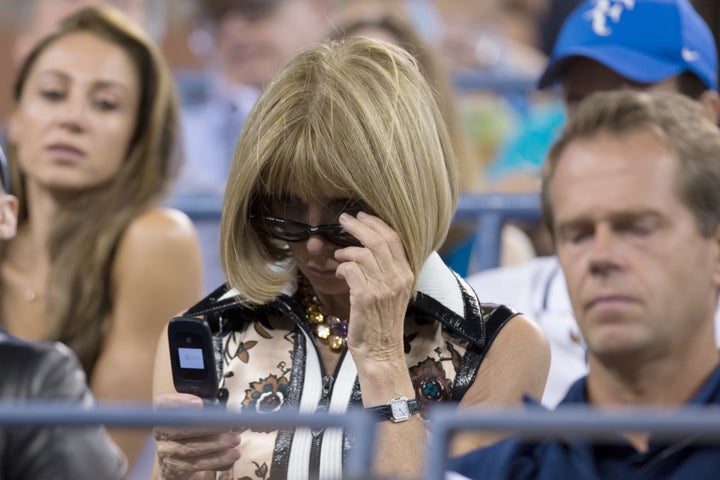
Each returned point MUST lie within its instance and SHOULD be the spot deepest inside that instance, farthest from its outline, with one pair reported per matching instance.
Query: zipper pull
(327, 385)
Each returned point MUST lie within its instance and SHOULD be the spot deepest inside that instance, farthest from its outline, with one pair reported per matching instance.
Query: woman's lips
(322, 273)
(65, 153)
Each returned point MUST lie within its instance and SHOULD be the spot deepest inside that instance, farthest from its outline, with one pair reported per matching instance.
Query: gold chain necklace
(327, 328)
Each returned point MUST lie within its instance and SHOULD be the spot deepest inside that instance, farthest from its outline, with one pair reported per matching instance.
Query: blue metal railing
(489, 212)
(701, 424)
(42, 414)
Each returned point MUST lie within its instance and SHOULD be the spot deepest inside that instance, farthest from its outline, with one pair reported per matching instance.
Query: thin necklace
(326, 327)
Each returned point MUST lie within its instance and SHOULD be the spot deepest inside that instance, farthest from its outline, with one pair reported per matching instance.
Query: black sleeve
(51, 372)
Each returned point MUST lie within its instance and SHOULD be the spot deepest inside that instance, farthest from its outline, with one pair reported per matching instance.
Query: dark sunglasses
(290, 231)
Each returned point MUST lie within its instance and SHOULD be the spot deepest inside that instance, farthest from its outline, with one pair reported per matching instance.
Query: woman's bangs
(306, 168)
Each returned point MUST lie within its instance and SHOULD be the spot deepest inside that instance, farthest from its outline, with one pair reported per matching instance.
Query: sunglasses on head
(291, 231)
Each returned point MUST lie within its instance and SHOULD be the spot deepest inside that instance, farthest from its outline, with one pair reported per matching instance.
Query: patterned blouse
(270, 363)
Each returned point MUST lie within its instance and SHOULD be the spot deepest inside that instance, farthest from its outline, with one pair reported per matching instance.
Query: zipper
(323, 404)
(327, 385)
(328, 381)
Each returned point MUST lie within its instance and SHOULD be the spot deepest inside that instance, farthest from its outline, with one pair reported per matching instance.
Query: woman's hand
(187, 453)
(380, 281)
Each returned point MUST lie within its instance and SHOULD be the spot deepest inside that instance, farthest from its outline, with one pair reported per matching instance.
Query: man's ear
(8, 216)
(711, 102)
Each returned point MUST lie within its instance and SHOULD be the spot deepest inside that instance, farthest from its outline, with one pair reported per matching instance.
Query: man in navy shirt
(631, 196)
(604, 45)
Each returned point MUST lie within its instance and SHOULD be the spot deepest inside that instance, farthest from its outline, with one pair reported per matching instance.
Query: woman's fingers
(182, 451)
(375, 235)
(381, 265)
(197, 446)
(181, 466)
(181, 400)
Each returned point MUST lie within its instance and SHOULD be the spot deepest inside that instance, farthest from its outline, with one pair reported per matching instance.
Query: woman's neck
(338, 305)
(43, 208)
(29, 249)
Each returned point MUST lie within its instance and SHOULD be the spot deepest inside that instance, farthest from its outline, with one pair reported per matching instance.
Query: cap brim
(629, 63)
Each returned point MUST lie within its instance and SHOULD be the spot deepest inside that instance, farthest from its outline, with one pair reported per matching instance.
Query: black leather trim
(469, 328)
(212, 302)
(495, 317)
(470, 363)
(496, 320)
(283, 444)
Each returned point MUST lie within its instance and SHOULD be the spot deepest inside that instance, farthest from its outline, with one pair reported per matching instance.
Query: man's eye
(641, 228)
(574, 235)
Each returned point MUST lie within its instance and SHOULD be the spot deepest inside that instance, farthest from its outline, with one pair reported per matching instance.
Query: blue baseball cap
(645, 41)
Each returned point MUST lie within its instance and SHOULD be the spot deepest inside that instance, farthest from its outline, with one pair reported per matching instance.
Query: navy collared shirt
(555, 458)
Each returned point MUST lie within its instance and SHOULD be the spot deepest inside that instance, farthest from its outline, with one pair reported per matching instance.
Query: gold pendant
(30, 295)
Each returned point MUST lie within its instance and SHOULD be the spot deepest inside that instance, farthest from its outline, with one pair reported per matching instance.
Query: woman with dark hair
(95, 263)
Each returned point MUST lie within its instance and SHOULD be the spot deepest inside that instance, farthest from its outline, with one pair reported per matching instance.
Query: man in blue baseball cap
(656, 44)
(605, 45)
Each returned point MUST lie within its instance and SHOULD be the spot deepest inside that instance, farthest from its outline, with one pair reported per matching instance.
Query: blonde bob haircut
(353, 119)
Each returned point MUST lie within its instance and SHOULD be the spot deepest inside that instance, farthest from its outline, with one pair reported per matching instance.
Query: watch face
(400, 410)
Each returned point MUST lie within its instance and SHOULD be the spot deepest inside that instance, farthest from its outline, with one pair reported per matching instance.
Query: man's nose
(602, 255)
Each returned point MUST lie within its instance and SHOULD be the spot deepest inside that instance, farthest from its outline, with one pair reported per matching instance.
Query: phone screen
(191, 358)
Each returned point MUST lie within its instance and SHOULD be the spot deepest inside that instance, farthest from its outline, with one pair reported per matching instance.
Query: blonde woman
(95, 263)
(342, 187)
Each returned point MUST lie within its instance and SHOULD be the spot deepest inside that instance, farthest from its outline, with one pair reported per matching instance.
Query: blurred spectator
(38, 18)
(597, 51)
(50, 372)
(495, 44)
(95, 264)
(249, 40)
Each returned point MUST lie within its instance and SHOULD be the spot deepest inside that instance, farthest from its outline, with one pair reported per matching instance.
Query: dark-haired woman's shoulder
(157, 272)
(158, 258)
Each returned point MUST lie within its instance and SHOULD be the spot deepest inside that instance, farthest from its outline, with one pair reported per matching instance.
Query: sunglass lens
(285, 231)
(339, 236)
